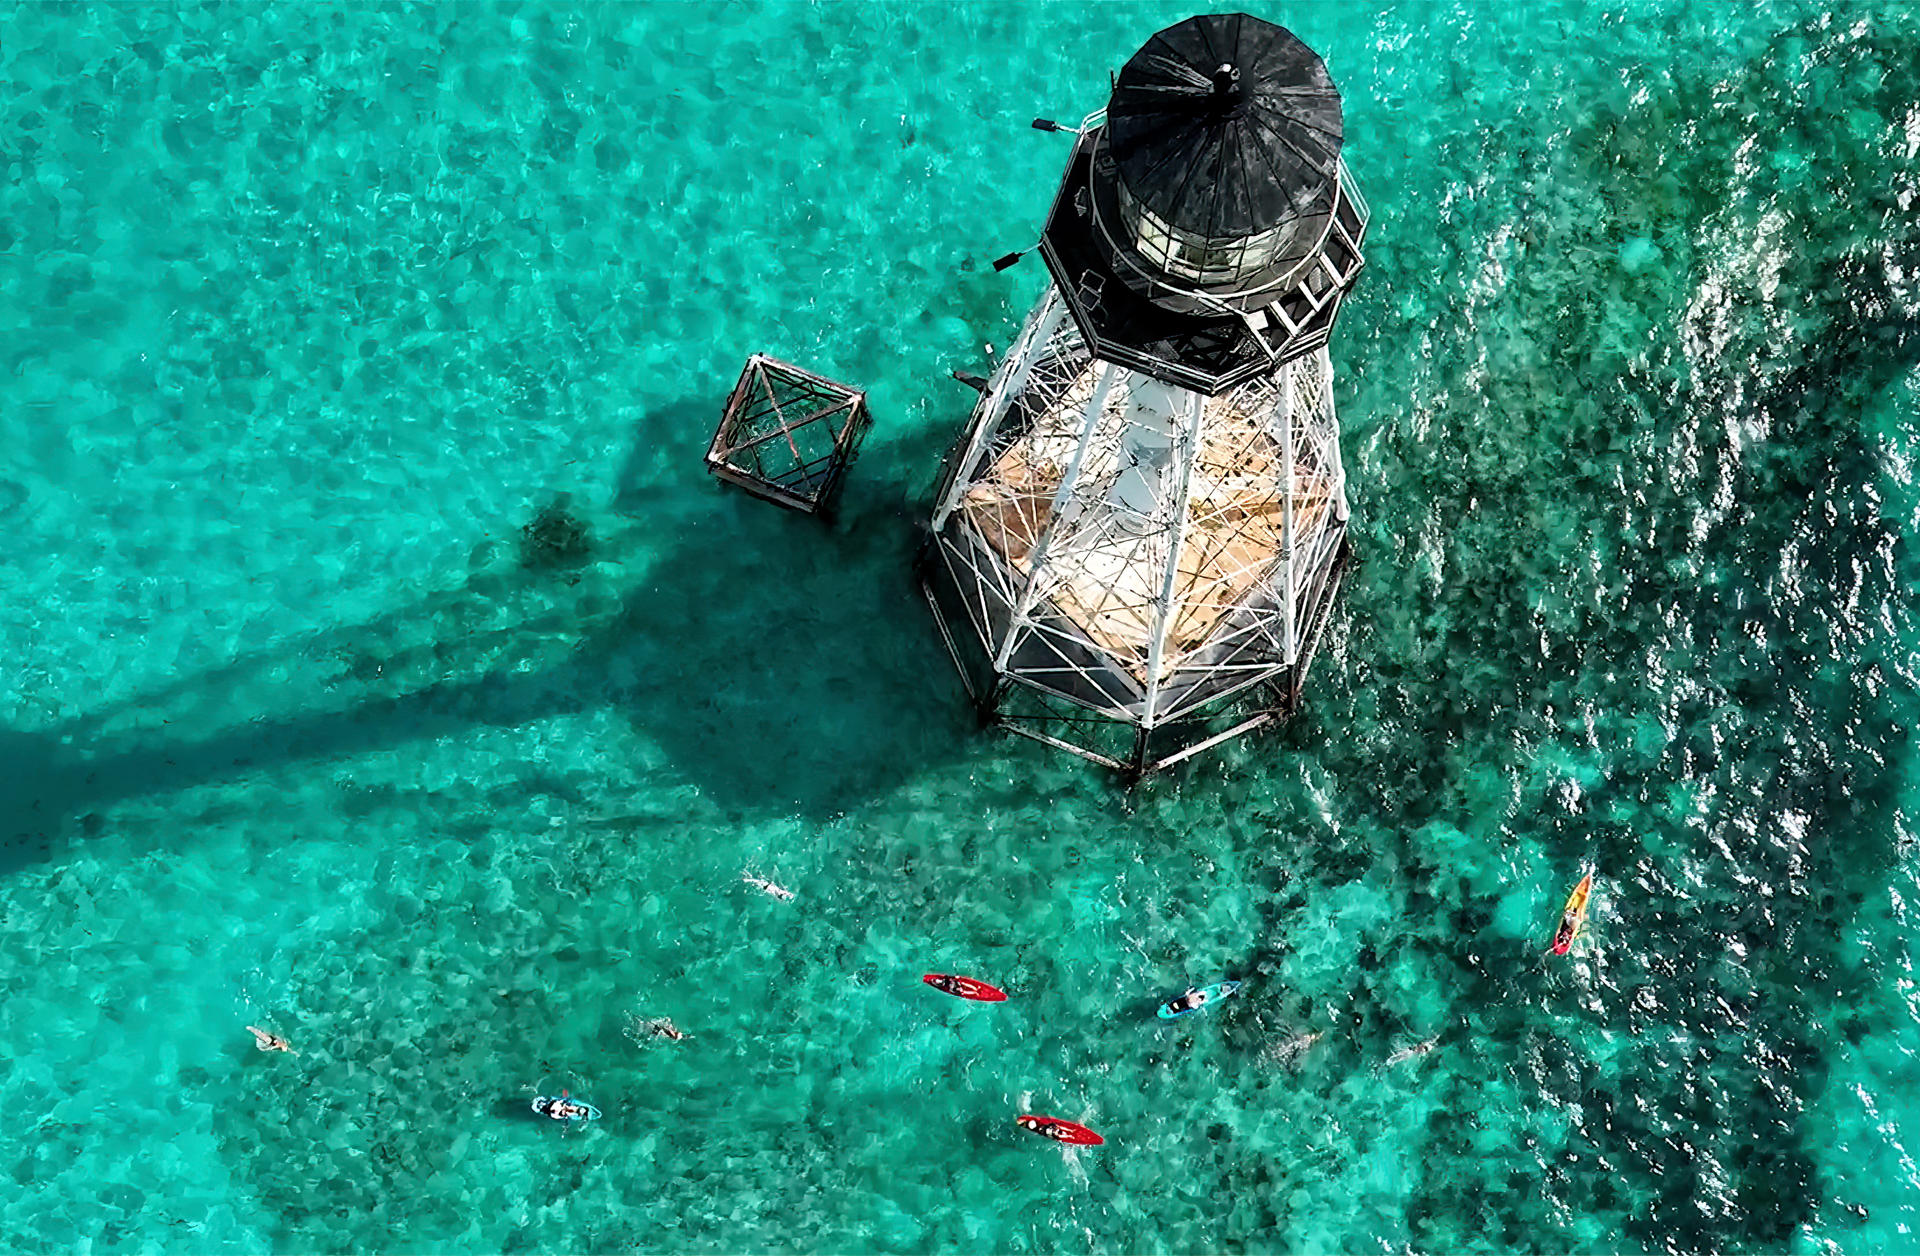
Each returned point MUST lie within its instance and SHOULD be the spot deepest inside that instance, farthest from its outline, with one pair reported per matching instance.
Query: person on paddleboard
(1059, 1131)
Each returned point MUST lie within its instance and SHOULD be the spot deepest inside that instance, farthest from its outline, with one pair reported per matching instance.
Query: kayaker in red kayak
(1059, 1131)
(965, 987)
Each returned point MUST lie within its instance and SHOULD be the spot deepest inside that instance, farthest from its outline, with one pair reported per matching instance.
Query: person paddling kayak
(561, 1109)
(1195, 999)
(565, 1108)
(1192, 999)
(1059, 1131)
(1573, 917)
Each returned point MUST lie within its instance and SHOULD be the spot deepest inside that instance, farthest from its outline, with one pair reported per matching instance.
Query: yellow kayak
(1575, 916)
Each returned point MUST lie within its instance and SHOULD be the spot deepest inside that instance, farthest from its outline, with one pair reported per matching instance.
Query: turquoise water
(309, 311)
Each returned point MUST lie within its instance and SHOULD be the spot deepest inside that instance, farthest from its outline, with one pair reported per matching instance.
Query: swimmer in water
(270, 1042)
(1407, 1053)
(1292, 1048)
(767, 887)
(643, 1029)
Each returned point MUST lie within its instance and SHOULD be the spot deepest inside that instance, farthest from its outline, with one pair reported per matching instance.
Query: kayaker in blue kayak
(1196, 998)
(1193, 998)
(561, 1109)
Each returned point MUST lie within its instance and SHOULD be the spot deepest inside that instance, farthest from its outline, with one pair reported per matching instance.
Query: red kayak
(965, 987)
(1060, 1131)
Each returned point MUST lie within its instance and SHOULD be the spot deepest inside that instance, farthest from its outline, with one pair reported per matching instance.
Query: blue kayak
(1174, 1009)
(541, 1105)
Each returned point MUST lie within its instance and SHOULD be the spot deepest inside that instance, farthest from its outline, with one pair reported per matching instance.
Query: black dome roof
(1226, 125)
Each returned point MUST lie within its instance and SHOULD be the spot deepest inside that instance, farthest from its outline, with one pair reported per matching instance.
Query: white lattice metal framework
(1123, 548)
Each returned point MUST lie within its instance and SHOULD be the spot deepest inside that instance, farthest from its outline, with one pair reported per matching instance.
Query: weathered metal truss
(788, 435)
(1125, 549)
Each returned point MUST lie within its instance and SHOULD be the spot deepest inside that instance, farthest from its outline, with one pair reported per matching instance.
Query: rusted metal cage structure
(788, 435)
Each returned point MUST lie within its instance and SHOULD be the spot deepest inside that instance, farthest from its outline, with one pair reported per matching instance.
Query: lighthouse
(1138, 538)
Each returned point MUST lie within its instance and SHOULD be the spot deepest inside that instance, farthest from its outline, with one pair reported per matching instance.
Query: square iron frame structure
(777, 408)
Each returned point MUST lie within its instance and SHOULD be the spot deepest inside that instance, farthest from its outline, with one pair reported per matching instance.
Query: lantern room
(1207, 230)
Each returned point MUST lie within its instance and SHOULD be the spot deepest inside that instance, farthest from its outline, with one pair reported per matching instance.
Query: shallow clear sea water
(307, 311)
